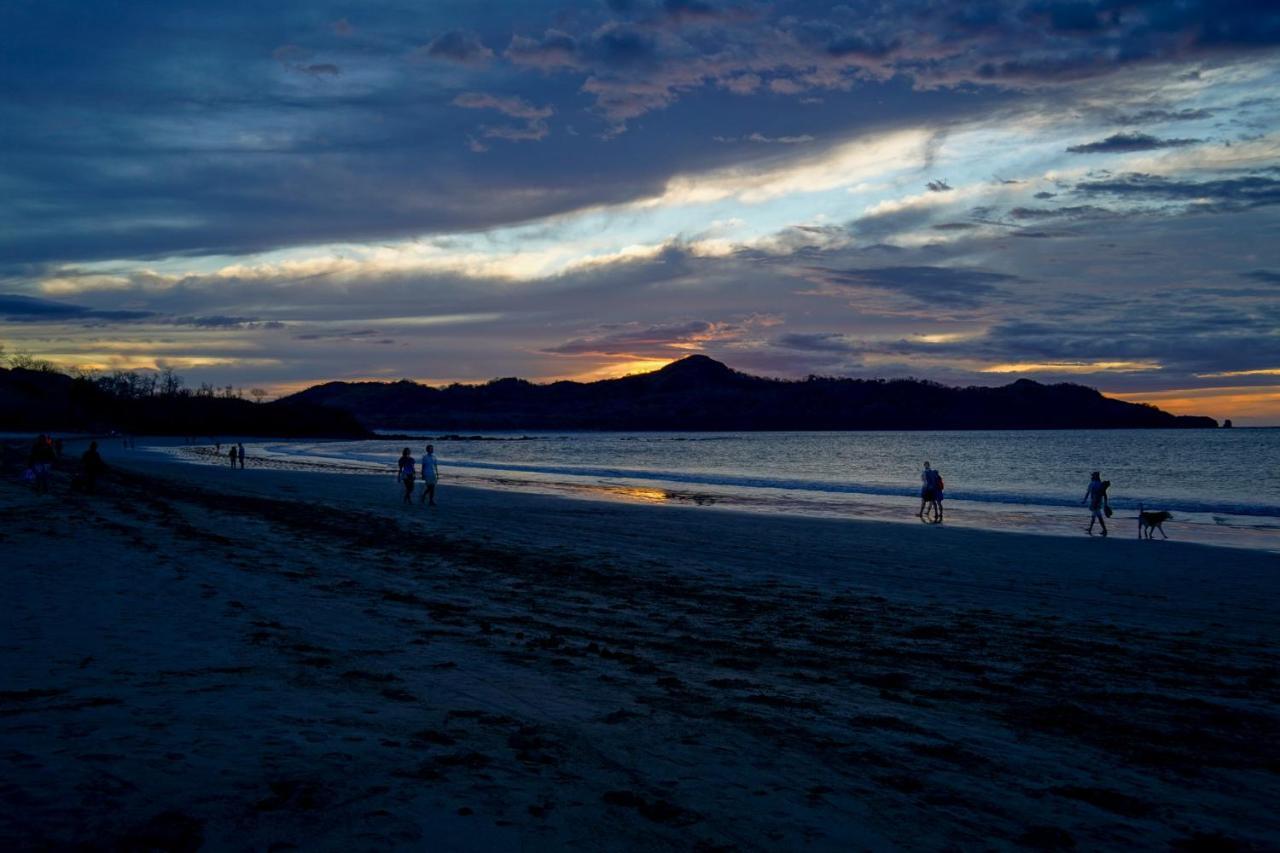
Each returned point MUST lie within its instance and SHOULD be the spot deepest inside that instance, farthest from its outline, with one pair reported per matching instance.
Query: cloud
(638, 340)
(822, 342)
(950, 286)
(1078, 211)
(1164, 116)
(1225, 193)
(17, 308)
(511, 105)
(320, 69)
(294, 58)
(224, 321)
(1264, 276)
(1125, 142)
(780, 140)
(556, 49)
(534, 128)
(460, 46)
(938, 186)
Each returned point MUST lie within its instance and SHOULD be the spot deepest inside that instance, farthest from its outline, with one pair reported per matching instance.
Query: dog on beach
(1150, 522)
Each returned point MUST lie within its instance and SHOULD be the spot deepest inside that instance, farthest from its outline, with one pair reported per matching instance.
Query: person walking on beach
(928, 491)
(1096, 497)
(430, 476)
(231, 454)
(41, 461)
(240, 454)
(938, 491)
(404, 473)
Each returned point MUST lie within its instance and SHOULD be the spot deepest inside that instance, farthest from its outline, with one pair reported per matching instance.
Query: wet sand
(278, 659)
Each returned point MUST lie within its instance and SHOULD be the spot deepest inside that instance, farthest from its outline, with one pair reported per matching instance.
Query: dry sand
(281, 660)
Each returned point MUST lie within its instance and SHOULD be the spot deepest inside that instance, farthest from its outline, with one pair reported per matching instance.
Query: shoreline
(274, 657)
(1031, 518)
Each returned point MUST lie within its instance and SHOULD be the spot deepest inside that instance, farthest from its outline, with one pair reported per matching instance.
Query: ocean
(1223, 486)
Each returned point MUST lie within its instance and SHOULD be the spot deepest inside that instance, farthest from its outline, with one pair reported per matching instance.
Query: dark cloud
(17, 308)
(533, 129)
(616, 45)
(320, 69)
(633, 339)
(338, 335)
(938, 186)
(223, 321)
(460, 46)
(1078, 211)
(1223, 194)
(555, 49)
(1073, 16)
(825, 342)
(691, 9)
(1162, 115)
(950, 286)
(1123, 142)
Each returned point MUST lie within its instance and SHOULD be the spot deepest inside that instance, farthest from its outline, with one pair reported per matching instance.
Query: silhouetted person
(1096, 497)
(41, 461)
(231, 454)
(938, 491)
(240, 454)
(430, 476)
(218, 450)
(91, 467)
(928, 488)
(404, 473)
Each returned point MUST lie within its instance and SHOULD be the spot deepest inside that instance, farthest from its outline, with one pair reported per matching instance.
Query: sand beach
(196, 657)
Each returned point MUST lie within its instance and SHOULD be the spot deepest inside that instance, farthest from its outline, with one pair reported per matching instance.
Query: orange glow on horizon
(618, 369)
(1256, 404)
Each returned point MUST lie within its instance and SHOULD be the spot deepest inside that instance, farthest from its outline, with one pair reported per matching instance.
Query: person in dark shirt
(404, 473)
(42, 458)
(240, 455)
(1096, 497)
(91, 467)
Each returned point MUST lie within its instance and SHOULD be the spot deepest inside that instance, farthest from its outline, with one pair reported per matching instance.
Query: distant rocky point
(699, 393)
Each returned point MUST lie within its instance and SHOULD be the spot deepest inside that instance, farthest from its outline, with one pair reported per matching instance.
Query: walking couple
(430, 475)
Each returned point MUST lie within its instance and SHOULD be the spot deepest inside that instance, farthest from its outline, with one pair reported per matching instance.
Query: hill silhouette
(700, 393)
(43, 400)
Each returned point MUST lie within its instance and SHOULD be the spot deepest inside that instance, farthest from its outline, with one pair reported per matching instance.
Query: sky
(279, 194)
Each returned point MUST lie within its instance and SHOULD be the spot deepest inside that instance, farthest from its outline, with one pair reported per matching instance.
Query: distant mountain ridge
(43, 400)
(699, 393)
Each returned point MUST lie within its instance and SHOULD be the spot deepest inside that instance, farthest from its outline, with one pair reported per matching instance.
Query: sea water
(1223, 486)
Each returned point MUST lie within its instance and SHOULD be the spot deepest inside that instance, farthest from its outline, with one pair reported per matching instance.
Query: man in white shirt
(430, 475)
